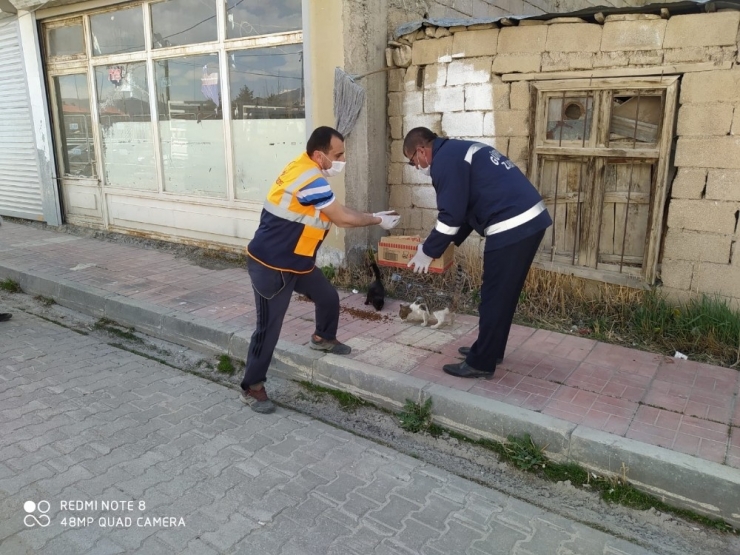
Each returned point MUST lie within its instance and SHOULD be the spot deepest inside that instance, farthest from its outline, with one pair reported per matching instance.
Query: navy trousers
(504, 273)
(272, 292)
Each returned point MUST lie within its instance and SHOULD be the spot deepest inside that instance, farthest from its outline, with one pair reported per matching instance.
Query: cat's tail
(376, 271)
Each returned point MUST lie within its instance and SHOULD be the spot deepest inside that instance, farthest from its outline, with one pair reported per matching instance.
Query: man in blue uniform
(296, 217)
(480, 189)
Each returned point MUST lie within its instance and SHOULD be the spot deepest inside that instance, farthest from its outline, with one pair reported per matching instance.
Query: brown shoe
(334, 346)
(258, 400)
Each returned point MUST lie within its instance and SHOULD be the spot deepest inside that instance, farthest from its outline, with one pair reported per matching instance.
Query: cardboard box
(397, 250)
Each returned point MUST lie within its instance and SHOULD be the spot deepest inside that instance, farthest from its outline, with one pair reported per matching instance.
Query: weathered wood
(605, 194)
(615, 259)
(661, 185)
(667, 71)
(630, 278)
(613, 197)
(579, 153)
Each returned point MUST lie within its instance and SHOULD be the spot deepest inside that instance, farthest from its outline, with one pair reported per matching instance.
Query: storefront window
(117, 32)
(247, 18)
(268, 111)
(174, 53)
(181, 22)
(75, 126)
(191, 127)
(126, 126)
(67, 40)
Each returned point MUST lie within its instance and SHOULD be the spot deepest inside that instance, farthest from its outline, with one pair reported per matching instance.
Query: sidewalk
(157, 461)
(674, 423)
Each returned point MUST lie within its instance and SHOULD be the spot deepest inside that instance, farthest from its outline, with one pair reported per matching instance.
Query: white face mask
(336, 167)
(428, 170)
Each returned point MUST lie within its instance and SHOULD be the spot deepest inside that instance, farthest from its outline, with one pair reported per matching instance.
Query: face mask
(428, 170)
(336, 168)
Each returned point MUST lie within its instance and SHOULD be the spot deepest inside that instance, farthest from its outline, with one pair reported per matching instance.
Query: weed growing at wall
(705, 328)
(225, 365)
(10, 286)
(346, 400)
(416, 417)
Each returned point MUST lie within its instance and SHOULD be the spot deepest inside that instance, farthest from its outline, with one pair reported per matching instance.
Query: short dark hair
(320, 139)
(418, 136)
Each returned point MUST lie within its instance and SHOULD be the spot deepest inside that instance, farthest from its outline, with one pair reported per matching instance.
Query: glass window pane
(569, 118)
(117, 32)
(75, 126)
(180, 22)
(268, 108)
(635, 120)
(191, 128)
(247, 18)
(66, 41)
(126, 126)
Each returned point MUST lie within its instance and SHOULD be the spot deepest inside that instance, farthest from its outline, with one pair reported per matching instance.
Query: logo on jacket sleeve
(499, 159)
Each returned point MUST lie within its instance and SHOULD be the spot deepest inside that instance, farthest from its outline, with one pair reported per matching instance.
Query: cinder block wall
(450, 80)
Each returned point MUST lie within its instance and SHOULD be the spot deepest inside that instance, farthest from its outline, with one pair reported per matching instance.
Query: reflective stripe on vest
(516, 221)
(299, 182)
(289, 215)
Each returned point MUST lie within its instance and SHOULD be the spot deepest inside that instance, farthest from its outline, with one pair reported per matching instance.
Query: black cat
(376, 291)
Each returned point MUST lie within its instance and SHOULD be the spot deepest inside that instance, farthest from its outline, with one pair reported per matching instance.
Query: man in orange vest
(296, 217)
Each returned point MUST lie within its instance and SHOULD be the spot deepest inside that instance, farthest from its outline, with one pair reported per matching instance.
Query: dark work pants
(504, 273)
(272, 292)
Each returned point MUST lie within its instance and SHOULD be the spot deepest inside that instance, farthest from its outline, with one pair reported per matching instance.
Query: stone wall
(451, 80)
(402, 11)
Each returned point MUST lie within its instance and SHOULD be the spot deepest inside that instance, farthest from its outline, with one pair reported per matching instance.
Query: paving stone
(393, 514)
(243, 483)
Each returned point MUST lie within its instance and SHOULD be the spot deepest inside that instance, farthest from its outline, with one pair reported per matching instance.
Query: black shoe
(464, 370)
(465, 350)
(4, 316)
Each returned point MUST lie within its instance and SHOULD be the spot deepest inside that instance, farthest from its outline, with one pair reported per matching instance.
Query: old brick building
(628, 123)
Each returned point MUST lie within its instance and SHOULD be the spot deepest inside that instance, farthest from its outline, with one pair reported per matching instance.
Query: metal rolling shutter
(20, 186)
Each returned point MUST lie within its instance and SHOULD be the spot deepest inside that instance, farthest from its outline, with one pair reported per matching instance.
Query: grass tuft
(346, 401)
(10, 286)
(417, 418)
(46, 301)
(225, 365)
(524, 453)
(118, 330)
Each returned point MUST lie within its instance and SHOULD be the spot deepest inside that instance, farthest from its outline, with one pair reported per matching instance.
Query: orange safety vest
(290, 233)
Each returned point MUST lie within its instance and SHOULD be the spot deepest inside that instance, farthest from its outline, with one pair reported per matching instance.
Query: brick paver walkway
(681, 405)
(120, 454)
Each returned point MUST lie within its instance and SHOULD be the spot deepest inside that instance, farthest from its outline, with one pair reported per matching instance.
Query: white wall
(262, 148)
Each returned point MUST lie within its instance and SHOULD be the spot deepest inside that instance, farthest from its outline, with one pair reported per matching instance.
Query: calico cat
(418, 311)
(376, 290)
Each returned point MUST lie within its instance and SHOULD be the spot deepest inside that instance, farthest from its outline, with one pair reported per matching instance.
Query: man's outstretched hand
(420, 262)
(388, 219)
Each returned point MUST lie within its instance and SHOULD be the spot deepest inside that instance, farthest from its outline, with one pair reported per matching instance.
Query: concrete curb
(478, 417)
(702, 486)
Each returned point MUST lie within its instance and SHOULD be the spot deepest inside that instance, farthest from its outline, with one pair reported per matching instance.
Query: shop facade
(173, 118)
(24, 193)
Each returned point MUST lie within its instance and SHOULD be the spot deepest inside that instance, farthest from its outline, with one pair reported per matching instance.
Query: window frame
(595, 156)
(59, 66)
